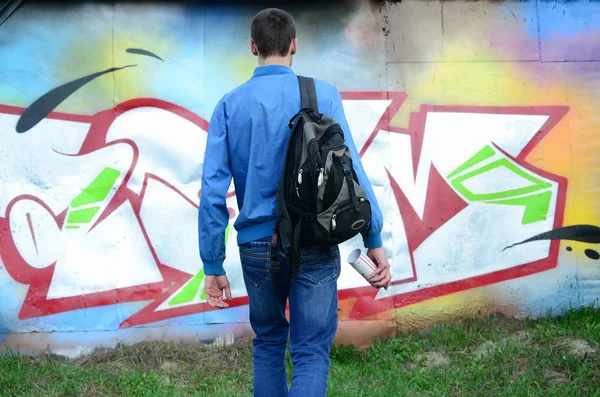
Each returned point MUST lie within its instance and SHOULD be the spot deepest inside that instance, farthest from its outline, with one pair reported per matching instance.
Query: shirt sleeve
(213, 215)
(371, 235)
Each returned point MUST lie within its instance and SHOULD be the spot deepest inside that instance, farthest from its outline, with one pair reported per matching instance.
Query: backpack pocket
(347, 215)
(332, 180)
(347, 223)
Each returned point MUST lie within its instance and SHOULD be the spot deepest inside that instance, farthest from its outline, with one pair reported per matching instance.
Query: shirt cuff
(213, 268)
(373, 240)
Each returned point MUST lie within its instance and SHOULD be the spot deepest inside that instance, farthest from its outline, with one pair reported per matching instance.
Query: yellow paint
(571, 147)
(471, 303)
(243, 66)
(82, 58)
(137, 82)
(578, 253)
(474, 83)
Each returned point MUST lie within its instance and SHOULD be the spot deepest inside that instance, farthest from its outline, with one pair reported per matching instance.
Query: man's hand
(381, 278)
(213, 287)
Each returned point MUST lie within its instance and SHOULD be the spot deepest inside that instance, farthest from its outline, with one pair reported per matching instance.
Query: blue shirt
(247, 140)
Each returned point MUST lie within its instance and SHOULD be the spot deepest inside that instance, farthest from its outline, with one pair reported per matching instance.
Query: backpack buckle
(293, 119)
(346, 168)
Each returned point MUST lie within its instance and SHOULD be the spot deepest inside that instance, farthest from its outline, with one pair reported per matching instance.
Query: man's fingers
(228, 293)
(214, 299)
(387, 282)
(211, 301)
(221, 302)
(380, 283)
(375, 273)
(382, 277)
(383, 281)
(377, 278)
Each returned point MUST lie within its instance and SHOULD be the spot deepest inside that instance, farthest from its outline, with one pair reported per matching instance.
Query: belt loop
(275, 255)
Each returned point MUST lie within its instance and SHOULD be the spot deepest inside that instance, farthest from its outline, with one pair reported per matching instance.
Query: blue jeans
(313, 305)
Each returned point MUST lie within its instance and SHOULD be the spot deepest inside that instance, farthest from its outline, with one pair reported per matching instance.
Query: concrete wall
(477, 122)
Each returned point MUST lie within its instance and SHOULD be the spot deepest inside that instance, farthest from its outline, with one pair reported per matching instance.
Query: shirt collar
(272, 69)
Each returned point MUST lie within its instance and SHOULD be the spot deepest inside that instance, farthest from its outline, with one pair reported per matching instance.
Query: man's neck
(284, 61)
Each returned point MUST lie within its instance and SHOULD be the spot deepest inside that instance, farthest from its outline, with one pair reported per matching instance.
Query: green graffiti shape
(71, 227)
(82, 216)
(483, 154)
(98, 189)
(188, 292)
(227, 230)
(536, 206)
(537, 184)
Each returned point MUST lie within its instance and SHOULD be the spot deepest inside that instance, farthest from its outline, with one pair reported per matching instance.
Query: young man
(247, 141)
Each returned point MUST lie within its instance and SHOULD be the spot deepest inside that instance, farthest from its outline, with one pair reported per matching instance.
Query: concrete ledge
(81, 343)
(362, 333)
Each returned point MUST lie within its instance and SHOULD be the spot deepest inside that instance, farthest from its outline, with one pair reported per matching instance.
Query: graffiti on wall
(101, 210)
(481, 148)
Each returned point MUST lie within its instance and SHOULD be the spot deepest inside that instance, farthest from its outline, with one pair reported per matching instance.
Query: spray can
(361, 263)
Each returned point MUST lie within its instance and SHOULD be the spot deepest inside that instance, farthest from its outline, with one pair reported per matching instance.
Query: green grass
(484, 357)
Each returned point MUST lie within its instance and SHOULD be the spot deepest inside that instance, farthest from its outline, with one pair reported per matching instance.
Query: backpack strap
(308, 93)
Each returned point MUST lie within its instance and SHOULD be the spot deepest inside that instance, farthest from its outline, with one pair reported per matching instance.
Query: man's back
(258, 114)
(248, 135)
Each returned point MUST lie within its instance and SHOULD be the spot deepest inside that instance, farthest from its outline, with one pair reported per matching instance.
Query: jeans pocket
(256, 262)
(319, 267)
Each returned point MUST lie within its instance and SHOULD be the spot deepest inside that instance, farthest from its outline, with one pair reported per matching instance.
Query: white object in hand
(361, 263)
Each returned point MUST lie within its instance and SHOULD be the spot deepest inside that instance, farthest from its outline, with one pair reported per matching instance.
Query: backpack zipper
(334, 216)
(300, 171)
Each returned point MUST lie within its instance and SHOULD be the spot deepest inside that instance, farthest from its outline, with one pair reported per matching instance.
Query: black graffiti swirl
(141, 51)
(45, 104)
(583, 233)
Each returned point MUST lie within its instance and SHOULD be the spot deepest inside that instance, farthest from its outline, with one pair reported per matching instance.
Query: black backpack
(319, 200)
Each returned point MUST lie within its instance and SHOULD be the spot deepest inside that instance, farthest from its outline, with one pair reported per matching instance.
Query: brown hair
(273, 30)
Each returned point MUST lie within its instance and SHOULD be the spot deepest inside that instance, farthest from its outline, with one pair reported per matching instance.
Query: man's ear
(253, 48)
(293, 47)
